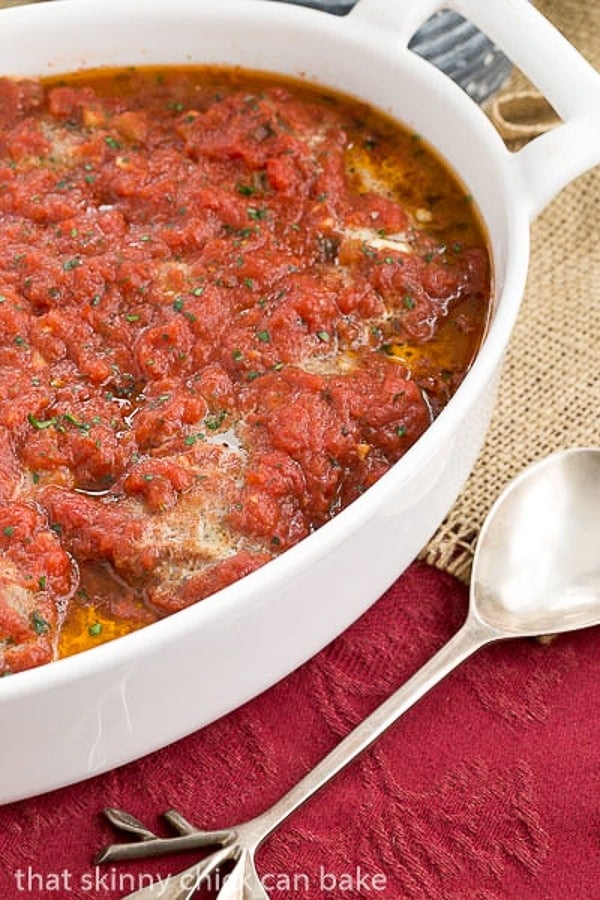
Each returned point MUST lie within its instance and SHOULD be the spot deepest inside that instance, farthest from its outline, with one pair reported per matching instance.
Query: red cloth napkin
(487, 789)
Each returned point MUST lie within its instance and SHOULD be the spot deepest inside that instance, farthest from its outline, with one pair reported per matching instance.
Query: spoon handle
(471, 637)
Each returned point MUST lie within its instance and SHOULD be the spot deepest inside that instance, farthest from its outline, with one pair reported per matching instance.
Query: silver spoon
(536, 571)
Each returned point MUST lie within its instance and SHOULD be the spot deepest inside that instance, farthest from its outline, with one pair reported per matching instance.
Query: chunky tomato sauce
(228, 304)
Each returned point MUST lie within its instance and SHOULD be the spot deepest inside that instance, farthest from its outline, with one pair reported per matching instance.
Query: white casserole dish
(81, 716)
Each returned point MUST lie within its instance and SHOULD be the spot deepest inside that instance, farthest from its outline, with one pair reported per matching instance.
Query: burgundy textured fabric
(489, 788)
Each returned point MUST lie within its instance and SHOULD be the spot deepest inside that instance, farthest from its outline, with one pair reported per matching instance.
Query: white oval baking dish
(89, 713)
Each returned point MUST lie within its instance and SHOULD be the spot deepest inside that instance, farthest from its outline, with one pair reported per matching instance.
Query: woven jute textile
(549, 396)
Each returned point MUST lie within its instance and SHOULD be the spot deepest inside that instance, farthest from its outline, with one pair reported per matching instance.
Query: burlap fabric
(549, 395)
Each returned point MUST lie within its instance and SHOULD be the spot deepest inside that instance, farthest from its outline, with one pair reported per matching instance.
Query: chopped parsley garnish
(249, 283)
(408, 301)
(263, 336)
(401, 430)
(8, 530)
(70, 264)
(246, 190)
(40, 424)
(42, 582)
(255, 212)
(323, 336)
(95, 629)
(113, 143)
(191, 439)
(132, 317)
(39, 625)
(215, 420)
(84, 426)
(237, 355)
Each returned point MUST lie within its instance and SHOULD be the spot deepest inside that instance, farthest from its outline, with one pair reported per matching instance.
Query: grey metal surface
(450, 43)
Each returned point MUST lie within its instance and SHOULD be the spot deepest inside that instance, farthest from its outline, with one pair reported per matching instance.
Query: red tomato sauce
(228, 304)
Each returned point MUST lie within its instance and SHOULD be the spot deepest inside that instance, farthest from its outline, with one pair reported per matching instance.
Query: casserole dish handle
(569, 83)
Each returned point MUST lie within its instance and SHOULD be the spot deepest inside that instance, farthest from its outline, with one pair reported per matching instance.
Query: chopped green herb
(197, 292)
(113, 143)
(35, 477)
(84, 426)
(263, 336)
(215, 420)
(245, 189)
(237, 355)
(40, 424)
(401, 430)
(252, 375)
(9, 530)
(19, 341)
(71, 264)
(42, 582)
(147, 476)
(323, 336)
(40, 626)
(257, 213)
(368, 251)
(56, 527)
(408, 301)
(95, 300)
(249, 283)
(95, 629)
(132, 317)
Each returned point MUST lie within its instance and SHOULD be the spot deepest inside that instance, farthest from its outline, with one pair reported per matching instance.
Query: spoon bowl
(537, 566)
